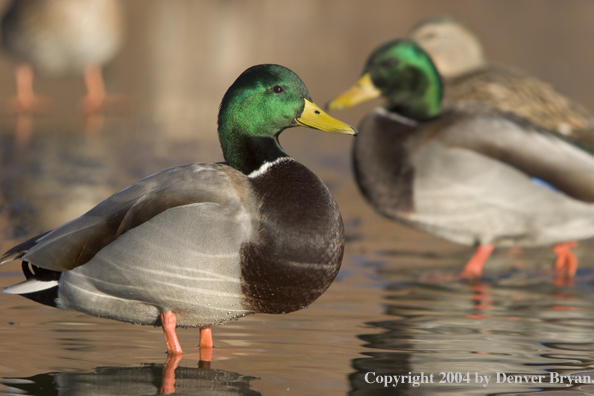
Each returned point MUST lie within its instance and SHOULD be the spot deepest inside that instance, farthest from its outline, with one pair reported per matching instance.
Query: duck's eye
(277, 89)
(390, 62)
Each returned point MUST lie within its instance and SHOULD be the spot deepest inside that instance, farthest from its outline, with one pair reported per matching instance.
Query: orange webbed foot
(26, 104)
(474, 267)
(565, 263)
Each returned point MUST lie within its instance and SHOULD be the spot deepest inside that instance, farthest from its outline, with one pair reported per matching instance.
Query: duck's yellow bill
(362, 91)
(314, 117)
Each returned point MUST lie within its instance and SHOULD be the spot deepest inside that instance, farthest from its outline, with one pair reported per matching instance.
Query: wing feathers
(11, 255)
(78, 241)
(530, 149)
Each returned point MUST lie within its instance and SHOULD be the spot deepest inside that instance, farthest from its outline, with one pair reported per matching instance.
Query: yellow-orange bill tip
(316, 118)
(362, 91)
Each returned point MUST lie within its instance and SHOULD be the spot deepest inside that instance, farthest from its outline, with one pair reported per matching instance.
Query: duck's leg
(94, 100)
(566, 263)
(169, 321)
(26, 100)
(168, 381)
(97, 100)
(474, 267)
(206, 346)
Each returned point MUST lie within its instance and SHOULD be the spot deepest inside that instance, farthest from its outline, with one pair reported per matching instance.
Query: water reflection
(65, 174)
(143, 380)
(481, 329)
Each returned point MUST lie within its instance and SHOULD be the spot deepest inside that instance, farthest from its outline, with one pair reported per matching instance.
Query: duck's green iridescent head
(261, 103)
(404, 74)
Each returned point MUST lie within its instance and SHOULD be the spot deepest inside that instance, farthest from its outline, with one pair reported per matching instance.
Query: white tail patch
(30, 286)
(13, 391)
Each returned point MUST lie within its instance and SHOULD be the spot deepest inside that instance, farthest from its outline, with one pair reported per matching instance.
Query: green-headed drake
(202, 244)
(468, 78)
(465, 176)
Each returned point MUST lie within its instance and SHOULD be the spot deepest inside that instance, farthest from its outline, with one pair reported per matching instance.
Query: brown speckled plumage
(451, 44)
(513, 91)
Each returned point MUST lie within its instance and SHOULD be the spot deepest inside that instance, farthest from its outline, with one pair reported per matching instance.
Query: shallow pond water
(395, 307)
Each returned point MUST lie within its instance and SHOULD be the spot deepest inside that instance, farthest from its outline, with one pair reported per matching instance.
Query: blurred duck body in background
(465, 174)
(58, 37)
(469, 79)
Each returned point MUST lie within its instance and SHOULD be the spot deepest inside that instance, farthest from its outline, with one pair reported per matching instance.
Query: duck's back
(63, 35)
(512, 91)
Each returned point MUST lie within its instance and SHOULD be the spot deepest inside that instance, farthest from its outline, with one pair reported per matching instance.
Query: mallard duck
(61, 36)
(468, 78)
(465, 174)
(202, 244)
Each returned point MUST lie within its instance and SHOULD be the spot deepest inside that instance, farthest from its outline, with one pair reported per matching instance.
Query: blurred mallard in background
(62, 36)
(466, 174)
(468, 78)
